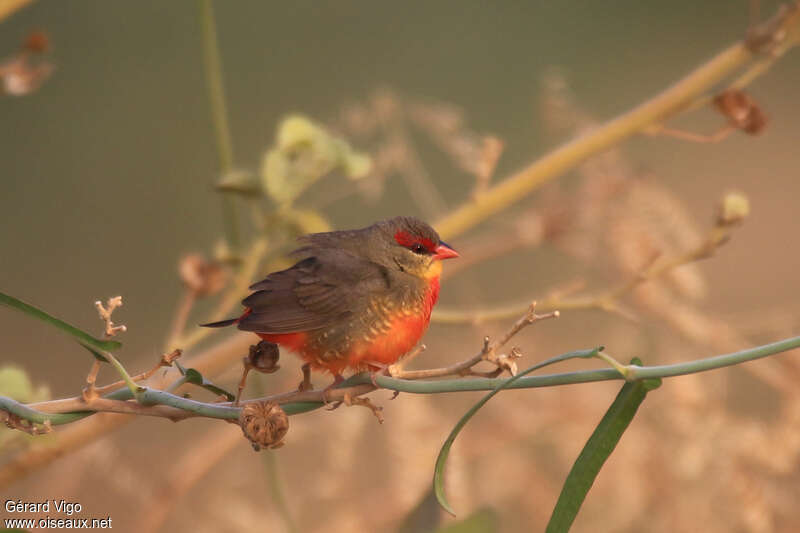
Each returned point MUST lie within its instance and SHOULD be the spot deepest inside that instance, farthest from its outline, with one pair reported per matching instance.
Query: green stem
(711, 363)
(132, 386)
(219, 112)
(211, 410)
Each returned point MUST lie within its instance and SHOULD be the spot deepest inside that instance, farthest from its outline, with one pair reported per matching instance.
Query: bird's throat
(434, 271)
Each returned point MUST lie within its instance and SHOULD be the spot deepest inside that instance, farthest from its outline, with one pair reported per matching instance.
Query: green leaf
(97, 355)
(597, 450)
(481, 521)
(425, 517)
(441, 460)
(35, 312)
(196, 378)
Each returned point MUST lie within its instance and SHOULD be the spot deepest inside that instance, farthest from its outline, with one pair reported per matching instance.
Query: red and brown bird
(358, 299)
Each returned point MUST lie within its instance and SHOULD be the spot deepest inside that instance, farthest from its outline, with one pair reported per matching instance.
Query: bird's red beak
(444, 251)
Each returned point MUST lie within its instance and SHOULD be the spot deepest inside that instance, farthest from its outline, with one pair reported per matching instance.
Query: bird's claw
(364, 402)
(332, 406)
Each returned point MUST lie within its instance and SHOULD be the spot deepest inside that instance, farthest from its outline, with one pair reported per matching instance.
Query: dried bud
(491, 150)
(168, 358)
(37, 42)
(264, 424)
(733, 209)
(741, 110)
(224, 255)
(201, 276)
(263, 357)
(506, 361)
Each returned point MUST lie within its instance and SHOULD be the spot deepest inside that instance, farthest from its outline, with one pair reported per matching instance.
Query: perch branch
(177, 408)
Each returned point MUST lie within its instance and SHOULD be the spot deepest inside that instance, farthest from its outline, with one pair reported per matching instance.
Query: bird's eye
(418, 248)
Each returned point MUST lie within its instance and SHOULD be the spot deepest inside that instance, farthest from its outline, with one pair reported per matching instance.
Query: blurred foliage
(15, 383)
(303, 153)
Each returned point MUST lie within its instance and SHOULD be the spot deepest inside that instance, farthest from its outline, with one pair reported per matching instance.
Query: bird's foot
(306, 384)
(350, 401)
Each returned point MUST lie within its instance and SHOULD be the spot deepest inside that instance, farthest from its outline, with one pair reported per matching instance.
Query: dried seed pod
(264, 424)
(263, 357)
(201, 276)
(741, 110)
(36, 42)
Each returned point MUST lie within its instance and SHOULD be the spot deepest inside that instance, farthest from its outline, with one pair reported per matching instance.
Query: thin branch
(165, 361)
(488, 353)
(105, 313)
(210, 362)
(8, 7)
(185, 306)
(170, 406)
(219, 112)
(607, 300)
(668, 103)
(231, 297)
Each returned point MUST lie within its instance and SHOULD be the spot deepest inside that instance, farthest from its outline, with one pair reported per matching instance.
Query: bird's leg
(306, 385)
(350, 401)
(337, 379)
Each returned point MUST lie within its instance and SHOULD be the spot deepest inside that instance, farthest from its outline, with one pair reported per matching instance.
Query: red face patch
(408, 240)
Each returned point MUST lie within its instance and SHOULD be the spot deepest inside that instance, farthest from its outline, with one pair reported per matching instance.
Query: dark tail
(221, 323)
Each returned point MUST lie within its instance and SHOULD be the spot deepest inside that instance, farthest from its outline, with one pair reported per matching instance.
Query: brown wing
(317, 292)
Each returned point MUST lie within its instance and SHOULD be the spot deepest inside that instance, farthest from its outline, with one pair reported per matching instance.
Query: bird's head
(412, 246)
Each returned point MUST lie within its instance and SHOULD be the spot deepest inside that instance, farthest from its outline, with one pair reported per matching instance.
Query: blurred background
(109, 180)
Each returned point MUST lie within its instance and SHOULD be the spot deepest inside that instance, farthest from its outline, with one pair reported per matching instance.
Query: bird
(355, 300)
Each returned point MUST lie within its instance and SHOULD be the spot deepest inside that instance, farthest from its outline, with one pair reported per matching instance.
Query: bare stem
(653, 111)
(181, 316)
(175, 407)
(219, 113)
(488, 353)
(607, 300)
(231, 297)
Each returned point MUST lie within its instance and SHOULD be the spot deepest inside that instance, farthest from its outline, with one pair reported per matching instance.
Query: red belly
(385, 349)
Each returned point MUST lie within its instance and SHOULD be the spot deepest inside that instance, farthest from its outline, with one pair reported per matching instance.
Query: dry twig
(105, 315)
